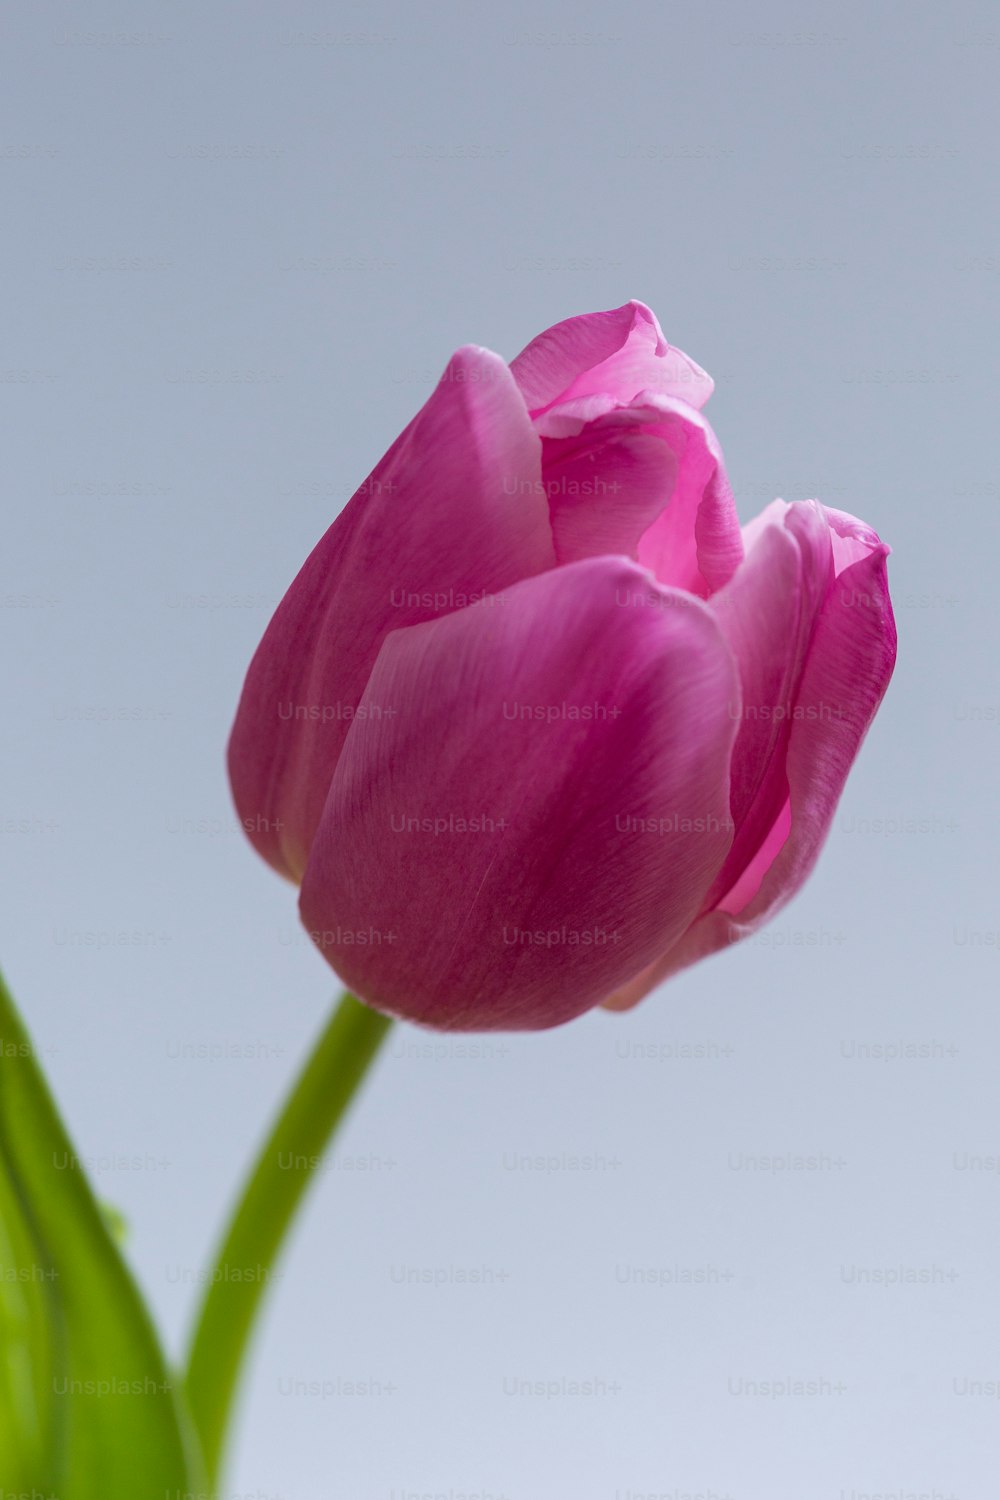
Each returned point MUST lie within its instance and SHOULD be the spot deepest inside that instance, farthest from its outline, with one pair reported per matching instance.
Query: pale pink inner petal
(568, 418)
(694, 543)
(847, 550)
(645, 481)
(617, 353)
(605, 488)
(749, 883)
(647, 362)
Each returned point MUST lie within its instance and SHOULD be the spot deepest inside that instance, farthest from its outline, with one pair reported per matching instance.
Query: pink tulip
(537, 724)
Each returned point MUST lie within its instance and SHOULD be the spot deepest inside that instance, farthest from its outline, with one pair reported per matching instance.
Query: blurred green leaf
(116, 1222)
(88, 1408)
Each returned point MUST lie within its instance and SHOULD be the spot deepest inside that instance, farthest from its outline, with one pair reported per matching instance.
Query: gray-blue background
(241, 243)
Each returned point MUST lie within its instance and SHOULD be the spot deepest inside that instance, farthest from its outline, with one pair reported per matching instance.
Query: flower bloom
(537, 724)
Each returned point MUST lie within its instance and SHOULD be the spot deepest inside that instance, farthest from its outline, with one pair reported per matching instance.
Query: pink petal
(644, 480)
(454, 511)
(581, 727)
(617, 353)
(850, 659)
(695, 542)
(607, 485)
(768, 614)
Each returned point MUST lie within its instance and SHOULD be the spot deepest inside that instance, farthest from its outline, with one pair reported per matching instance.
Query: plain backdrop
(241, 242)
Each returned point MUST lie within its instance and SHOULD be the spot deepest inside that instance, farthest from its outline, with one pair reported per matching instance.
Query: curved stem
(273, 1192)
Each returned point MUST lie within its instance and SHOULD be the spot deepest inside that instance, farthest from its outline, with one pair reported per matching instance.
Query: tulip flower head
(538, 724)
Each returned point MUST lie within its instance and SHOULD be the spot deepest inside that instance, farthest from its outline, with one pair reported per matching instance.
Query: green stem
(265, 1212)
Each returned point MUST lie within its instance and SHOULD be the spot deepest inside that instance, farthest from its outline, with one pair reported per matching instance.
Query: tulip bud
(536, 716)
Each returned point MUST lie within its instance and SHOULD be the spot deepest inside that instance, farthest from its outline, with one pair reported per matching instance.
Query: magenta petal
(759, 613)
(850, 661)
(607, 485)
(617, 353)
(849, 666)
(646, 481)
(454, 511)
(542, 812)
(768, 614)
(695, 542)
